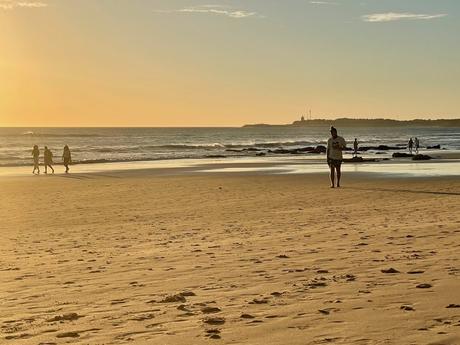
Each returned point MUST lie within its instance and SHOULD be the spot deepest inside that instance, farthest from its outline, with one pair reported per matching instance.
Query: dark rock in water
(359, 160)
(354, 160)
(305, 149)
(379, 148)
(234, 150)
(297, 151)
(280, 151)
(252, 149)
(261, 154)
(435, 147)
(421, 158)
(320, 149)
(216, 156)
(402, 155)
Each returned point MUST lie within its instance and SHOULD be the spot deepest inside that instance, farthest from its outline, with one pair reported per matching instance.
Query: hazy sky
(198, 63)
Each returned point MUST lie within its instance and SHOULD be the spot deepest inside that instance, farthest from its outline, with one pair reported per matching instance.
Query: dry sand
(229, 259)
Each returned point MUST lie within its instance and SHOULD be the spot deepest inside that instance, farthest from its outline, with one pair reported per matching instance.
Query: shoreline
(262, 165)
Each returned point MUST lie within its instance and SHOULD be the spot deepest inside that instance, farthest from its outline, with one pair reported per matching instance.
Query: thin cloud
(323, 3)
(214, 10)
(10, 4)
(391, 17)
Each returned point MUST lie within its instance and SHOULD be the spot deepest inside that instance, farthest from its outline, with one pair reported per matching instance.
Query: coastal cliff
(346, 122)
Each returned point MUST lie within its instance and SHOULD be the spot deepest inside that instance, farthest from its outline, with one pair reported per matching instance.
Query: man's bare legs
(339, 175)
(332, 176)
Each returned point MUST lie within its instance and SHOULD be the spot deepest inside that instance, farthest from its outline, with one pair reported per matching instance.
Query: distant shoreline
(347, 122)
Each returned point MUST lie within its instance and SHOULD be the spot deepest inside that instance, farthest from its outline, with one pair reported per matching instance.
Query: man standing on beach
(335, 146)
(410, 145)
(355, 148)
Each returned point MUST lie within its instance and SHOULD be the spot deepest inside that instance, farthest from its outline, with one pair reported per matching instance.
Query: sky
(226, 63)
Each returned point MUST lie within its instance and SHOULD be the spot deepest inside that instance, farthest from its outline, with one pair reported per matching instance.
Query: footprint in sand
(416, 272)
(210, 310)
(68, 335)
(20, 336)
(259, 301)
(213, 334)
(143, 317)
(424, 286)
(453, 306)
(65, 317)
(214, 320)
(327, 311)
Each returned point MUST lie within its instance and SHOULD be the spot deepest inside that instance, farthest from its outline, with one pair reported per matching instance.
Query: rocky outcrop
(309, 149)
(402, 155)
(360, 160)
(421, 158)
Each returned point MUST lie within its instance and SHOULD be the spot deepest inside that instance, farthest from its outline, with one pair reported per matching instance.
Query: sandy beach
(142, 258)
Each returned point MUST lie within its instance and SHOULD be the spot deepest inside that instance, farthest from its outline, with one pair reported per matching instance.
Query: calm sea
(93, 145)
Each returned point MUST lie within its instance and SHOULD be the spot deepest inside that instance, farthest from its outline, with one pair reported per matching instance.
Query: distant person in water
(410, 145)
(417, 144)
(48, 158)
(36, 155)
(335, 146)
(355, 148)
(66, 158)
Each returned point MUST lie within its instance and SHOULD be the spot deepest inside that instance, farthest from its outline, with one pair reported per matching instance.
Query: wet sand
(141, 258)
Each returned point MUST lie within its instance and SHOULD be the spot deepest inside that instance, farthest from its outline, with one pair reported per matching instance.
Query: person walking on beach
(335, 146)
(410, 145)
(355, 148)
(48, 158)
(66, 158)
(36, 155)
(417, 145)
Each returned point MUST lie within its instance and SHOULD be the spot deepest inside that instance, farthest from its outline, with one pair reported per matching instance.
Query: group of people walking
(48, 159)
(413, 145)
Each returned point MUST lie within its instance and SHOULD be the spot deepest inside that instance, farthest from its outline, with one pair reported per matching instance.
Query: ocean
(102, 145)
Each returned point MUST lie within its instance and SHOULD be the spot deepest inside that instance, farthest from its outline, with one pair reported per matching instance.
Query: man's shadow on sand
(403, 191)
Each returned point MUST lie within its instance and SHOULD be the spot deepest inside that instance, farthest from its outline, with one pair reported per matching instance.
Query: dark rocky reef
(421, 158)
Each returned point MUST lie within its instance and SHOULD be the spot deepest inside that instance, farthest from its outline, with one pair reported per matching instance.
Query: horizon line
(237, 126)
